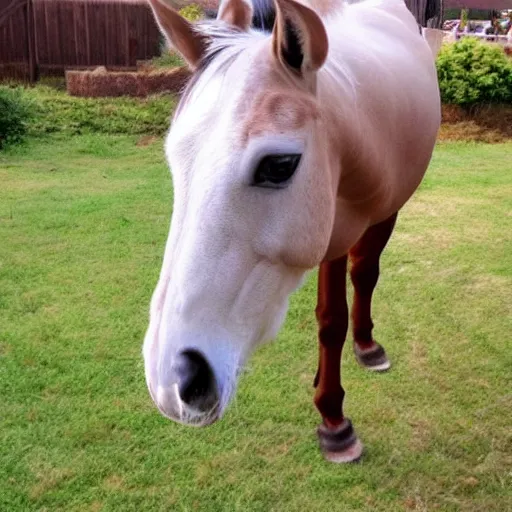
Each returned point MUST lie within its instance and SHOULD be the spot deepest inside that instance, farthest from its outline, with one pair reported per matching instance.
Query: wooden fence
(17, 49)
(48, 36)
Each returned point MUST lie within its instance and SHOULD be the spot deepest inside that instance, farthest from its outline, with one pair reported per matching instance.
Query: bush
(15, 113)
(168, 59)
(471, 72)
(55, 111)
(192, 12)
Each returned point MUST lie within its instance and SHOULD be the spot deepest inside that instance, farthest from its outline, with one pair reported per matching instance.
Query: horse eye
(274, 171)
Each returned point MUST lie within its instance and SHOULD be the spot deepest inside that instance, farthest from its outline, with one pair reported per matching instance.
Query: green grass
(83, 222)
(57, 112)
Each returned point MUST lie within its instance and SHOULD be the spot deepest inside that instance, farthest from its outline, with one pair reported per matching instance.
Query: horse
(304, 129)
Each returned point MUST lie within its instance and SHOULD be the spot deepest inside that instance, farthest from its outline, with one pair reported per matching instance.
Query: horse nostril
(196, 382)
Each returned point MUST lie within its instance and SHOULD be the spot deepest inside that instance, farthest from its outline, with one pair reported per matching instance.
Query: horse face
(253, 211)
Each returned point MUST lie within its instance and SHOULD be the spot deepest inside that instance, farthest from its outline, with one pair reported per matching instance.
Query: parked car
(450, 24)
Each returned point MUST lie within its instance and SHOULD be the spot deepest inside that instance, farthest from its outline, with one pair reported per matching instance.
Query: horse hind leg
(364, 273)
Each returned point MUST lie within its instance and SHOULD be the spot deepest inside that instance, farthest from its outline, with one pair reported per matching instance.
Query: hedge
(472, 72)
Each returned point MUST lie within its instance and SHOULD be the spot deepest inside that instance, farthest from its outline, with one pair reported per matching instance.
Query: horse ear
(180, 33)
(236, 12)
(299, 37)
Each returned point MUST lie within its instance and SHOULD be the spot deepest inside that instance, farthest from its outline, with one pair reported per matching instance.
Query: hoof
(373, 358)
(340, 445)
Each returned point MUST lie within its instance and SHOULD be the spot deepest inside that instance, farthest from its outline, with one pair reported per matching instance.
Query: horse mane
(264, 14)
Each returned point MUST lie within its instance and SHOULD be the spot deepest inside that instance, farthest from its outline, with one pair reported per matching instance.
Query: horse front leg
(338, 440)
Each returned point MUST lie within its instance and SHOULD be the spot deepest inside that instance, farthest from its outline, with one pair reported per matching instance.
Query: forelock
(225, 43)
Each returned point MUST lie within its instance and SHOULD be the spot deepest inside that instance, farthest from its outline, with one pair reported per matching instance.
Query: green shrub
(56, 111)
(192, 12)
(15, 113)
(471, 72)
(168, 59)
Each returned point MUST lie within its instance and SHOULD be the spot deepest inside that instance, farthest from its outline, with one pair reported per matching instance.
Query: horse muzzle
(192, 396)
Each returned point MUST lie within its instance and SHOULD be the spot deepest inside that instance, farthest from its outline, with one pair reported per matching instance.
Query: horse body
(388, 103)
(288, 151)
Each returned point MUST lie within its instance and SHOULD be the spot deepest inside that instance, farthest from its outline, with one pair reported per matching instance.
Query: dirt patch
(50, 479)
(95, 506)
(114, 482)
(421, 434)
(482, 123)
(147, 140)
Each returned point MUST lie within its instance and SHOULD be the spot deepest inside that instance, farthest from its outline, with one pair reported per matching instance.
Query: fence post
(31, 43)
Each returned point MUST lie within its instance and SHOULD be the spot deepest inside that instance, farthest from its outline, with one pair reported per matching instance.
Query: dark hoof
(340, 444)
(374, 358)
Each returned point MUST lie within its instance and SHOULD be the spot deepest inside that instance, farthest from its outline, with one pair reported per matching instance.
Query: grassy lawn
(83, 222)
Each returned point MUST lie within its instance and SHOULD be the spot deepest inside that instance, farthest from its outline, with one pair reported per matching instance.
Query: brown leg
(364, 272)
(337, 438)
